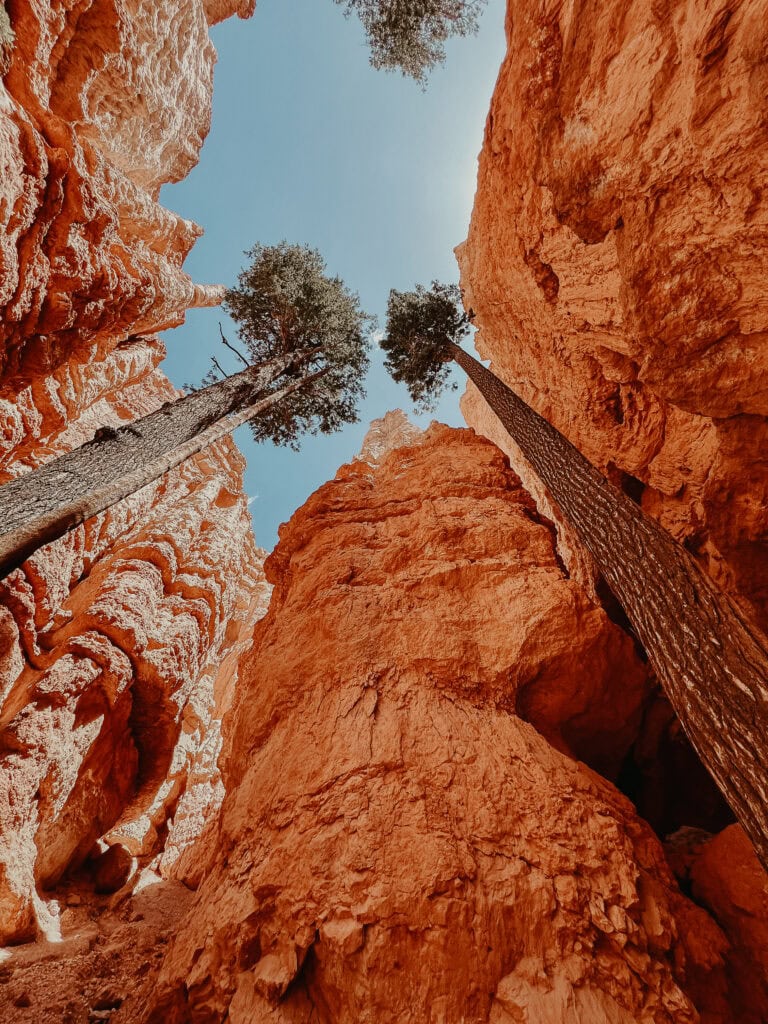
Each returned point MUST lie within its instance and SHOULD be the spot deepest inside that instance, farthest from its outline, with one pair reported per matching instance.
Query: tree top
(420, 325)
(286, 304)
(410, 35)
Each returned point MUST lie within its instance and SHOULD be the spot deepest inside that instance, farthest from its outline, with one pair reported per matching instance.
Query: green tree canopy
(410, 35)
(285, 303)
(419, 326)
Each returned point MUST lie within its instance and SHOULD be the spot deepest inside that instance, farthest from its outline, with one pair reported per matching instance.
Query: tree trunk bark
(41, 506)
(711, 661)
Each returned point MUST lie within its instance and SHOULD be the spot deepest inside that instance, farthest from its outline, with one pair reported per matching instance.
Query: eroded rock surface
(397, 843)
(727, 879)
(617, 256)
(418, 825)
(103, 102)
(119, 643)
(103, 955)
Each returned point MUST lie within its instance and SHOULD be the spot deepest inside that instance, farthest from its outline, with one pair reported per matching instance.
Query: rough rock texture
(103, 956)
(397, 843)
(727, 879)
(104, 101)
(617, 256)
(415, 828)
(119, 643)
(393, 430)
(121, 646)
(57, 412)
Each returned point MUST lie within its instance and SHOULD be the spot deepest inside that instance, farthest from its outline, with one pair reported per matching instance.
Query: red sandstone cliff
(617, 258)
(118, 644)
(398, 841)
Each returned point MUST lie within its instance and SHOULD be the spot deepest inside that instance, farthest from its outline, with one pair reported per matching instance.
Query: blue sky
(309, 144)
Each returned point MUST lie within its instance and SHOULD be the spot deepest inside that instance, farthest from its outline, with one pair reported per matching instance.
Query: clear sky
(310, 144)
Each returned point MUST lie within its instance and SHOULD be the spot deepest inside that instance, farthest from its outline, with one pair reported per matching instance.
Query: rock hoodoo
(432, 781)
(398, 841)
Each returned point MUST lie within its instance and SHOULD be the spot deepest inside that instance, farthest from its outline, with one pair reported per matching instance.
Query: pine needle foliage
(419, 326)
(285, 303)
(410, 35)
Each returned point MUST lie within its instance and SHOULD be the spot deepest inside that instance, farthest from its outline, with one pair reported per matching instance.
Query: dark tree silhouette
(711, 660)
(307, 338)
(410, 35)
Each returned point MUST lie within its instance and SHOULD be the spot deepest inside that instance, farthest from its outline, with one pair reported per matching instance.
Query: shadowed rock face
(397, 843)
(617, 256)
(119, 643)
(723, 874)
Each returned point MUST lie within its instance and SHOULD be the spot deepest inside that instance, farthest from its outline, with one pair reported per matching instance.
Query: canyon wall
(617, 257)
(399, 841)
(119, 643)
(416, 806)
(615, 269)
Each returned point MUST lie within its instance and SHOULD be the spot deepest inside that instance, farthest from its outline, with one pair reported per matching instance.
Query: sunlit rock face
(617, 258)
(103, 103)
(218, 10)
(119, 643)
(393, 430)
(397, 842)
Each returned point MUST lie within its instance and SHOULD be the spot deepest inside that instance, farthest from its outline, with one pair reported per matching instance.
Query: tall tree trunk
(712, 662)
(44, 504)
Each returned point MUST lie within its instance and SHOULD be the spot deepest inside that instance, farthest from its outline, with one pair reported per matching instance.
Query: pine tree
(711, 660)
(307, 345)
(410, 35)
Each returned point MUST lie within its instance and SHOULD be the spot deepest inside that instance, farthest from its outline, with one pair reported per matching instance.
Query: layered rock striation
(103, 102)
(119, 643)
(399, 841)
(616, 259)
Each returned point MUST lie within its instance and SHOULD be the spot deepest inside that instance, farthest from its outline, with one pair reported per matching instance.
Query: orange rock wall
(727, 879)
(119, 643)
(398, 842)
(617, 258)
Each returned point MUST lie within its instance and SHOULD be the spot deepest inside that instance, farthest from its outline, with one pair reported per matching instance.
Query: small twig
(219, 367)
(232, 348)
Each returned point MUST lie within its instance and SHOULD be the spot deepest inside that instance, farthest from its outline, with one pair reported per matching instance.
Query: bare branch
(232, 348)
(219, 367)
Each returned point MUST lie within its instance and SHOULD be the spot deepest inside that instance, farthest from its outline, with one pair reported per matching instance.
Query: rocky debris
(396, 842)
(100, 961)
(616, 258)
